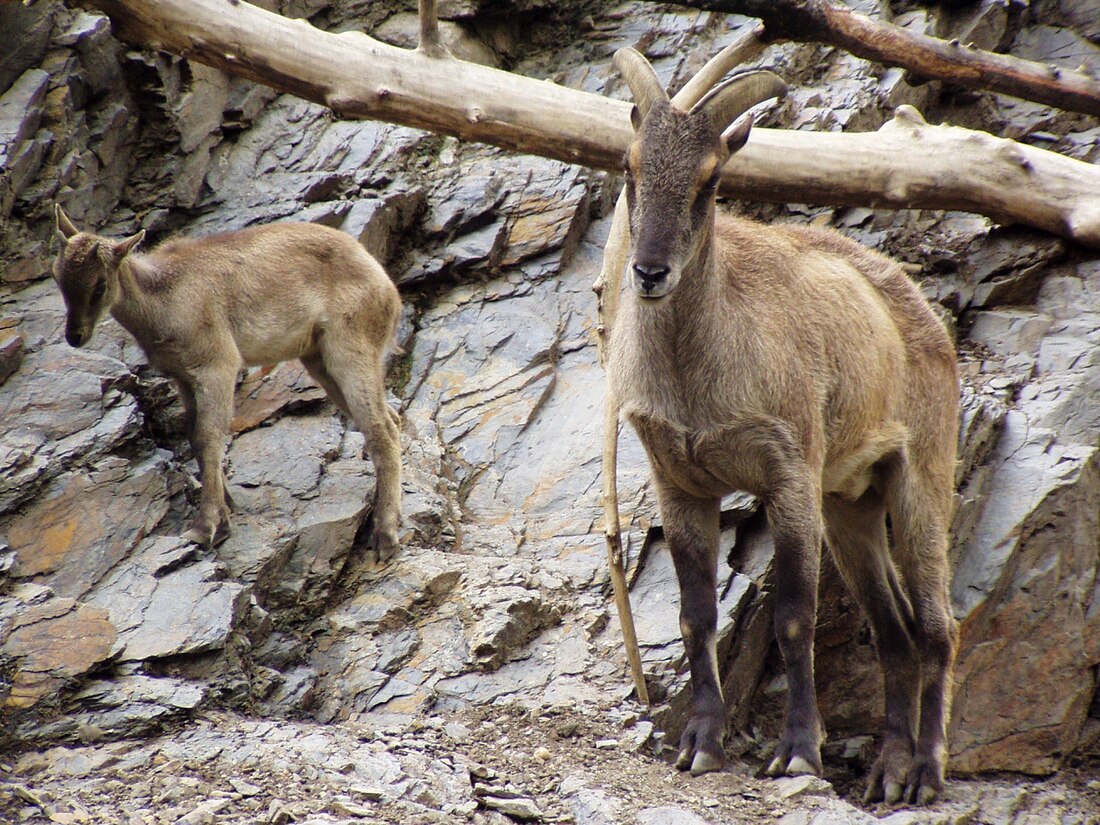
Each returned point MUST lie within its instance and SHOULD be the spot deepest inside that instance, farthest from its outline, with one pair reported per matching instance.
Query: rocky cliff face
(111, 628)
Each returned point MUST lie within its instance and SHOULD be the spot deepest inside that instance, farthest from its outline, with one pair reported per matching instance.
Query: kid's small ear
(125, 247)
(65, 227)
(738, 133)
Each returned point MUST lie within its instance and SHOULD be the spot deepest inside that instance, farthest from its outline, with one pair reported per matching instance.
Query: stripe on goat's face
(672, 175)
(86, 286)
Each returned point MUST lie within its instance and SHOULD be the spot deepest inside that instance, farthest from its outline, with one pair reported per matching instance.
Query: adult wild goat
(203, 308)
(793, 363)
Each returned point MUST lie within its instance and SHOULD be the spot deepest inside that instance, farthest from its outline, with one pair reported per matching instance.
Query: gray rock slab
(1014, 572)
(24, 38)
(164, 605)
(124, 706)
(60, 407)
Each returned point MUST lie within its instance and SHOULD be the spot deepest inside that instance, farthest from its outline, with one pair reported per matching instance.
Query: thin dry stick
(607, 287)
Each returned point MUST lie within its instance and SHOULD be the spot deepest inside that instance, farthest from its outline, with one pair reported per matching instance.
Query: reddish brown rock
(88, 522)
(270, 390)
(53, 644)
(11, 348)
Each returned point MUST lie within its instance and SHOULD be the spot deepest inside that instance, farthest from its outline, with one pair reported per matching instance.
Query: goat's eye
(99, 289)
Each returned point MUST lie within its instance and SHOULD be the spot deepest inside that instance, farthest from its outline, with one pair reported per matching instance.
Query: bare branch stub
(430, 42)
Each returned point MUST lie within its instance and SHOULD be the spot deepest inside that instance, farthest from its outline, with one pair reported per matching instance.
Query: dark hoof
(898, 777)
(797, 755)
(701, 746)
(924, 782)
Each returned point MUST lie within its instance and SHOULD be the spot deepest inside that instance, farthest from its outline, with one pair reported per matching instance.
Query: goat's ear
(65, 227)
(124, 248)
(738, 133)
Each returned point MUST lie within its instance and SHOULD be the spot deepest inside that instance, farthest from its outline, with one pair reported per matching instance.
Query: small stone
(457, 731)
(466, 809)
(789, 787)
(640, 735)
(542, 754)
(244, 788)
(370, 792)
(342, 808)
(710, 802)
(520, 808)
(607, 744)
(11, 351)
(277, 813)
(204, 814)
(668, 815)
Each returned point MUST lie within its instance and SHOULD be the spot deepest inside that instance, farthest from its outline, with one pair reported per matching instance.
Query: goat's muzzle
(650, 280)
(76, 337)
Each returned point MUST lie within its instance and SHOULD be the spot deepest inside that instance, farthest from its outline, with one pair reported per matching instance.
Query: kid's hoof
(383, 546)
(198, 536)
(207, 536)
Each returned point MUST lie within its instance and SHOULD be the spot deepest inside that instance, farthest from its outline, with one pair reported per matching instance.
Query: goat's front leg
(189, 415)
(212, 391)
(794, 516)
(691, 528)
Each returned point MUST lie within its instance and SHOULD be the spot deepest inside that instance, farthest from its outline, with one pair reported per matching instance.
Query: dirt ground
(485, 765)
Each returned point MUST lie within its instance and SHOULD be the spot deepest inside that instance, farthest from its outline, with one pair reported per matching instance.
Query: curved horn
(64, 225)
(640, 77)
(725, 103)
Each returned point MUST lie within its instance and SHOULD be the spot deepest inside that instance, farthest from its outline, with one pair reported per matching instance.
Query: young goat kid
(793, 363)
(203, 308)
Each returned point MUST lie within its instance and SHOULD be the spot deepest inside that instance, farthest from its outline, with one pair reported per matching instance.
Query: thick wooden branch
(934, 167)
(823, 21)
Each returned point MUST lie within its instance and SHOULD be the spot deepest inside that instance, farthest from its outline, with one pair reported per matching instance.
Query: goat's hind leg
(691, 528)
(354, 377)
(920, 511)
(856, 534)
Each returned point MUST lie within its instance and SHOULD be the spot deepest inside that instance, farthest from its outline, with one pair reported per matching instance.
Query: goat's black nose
(650, 275)
(74, 337)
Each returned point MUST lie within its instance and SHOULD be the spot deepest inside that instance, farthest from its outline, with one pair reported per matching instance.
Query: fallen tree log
(823, 21)
(906, 164)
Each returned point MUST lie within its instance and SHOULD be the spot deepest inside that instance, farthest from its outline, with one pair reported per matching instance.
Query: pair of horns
(724, 103)
(64, 225)
(66, 229)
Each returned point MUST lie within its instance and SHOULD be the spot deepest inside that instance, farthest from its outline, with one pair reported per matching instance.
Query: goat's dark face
(674, 165)
(672, 172)
(86, 270)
